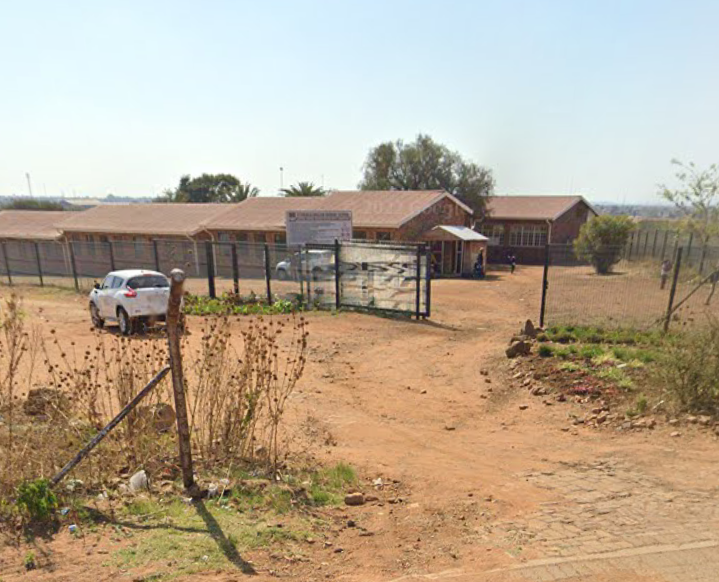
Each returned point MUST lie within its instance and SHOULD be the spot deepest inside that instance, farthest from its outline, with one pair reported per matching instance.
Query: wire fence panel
(637, 292)
(390, 277)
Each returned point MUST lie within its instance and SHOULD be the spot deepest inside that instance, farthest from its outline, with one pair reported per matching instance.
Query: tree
(32, 204)
(210, 188)
(602, 240)
(697, 199)
(302, 190)
(427, 165)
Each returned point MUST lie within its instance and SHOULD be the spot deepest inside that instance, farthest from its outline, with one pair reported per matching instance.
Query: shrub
(36, 499)
(602, 240)
(689, 369)
(546, 351)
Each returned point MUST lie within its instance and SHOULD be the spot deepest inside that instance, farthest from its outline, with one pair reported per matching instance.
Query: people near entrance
(512, 260)
(666, 269)
(478, 270)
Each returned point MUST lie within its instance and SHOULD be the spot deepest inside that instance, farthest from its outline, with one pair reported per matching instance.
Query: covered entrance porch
(455, 250)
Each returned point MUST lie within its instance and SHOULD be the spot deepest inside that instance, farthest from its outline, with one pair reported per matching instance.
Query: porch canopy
(455, 249)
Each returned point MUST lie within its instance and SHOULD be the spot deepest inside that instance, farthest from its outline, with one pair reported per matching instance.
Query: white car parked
(130, 297)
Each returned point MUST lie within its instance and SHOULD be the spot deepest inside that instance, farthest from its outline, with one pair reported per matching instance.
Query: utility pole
(29, 184)
(282, 185)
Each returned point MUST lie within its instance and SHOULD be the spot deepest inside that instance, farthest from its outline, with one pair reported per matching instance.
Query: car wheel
(282, 275)
(125, 322)
(97, 321)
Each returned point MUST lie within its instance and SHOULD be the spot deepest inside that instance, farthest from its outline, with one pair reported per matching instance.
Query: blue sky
(553, 96)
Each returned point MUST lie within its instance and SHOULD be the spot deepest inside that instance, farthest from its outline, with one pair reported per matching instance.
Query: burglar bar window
(496, 235)
(528, 235)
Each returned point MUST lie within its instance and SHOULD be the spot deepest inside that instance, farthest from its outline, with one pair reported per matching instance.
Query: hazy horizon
(557, 97)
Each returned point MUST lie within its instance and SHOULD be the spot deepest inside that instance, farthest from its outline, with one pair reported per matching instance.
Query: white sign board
(317, 226)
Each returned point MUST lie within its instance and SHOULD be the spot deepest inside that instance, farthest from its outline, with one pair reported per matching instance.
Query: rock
(705, 420)
(44, 402)
(160, 416)
(351, 523)
(423, 392)
(354, 499)
(561, 398)
(675, 434)
(674, 422)
(523, 406)
(74, 485)
(484, 372)
(639, 424)
(651, 423)
(212, 491)
(538, 391)
(529, 329)
(488, 380)
(602, 418)
(692, 419)
(449, 427)
(139, 482)
(519, 348)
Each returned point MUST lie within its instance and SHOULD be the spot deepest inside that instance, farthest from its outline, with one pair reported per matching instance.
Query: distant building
(524, 224)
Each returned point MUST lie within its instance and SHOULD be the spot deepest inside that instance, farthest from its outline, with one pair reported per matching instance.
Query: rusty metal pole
(177, 280)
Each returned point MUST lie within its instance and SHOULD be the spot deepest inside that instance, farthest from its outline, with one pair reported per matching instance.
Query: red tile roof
(32, 224)
(532, 207)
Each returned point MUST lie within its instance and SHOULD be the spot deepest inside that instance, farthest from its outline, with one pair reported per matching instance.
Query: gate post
(338, 301)
(545, 285)
(672, 293)
(235, 270)
(73, 266)
(428, 280)
(112, 255)
(267, 274)
(210, 269)
(7, 263)
(39, 265)
(418, 281)
(156, 254)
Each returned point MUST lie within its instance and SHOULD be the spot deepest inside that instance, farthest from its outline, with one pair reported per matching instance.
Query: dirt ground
(497, 485)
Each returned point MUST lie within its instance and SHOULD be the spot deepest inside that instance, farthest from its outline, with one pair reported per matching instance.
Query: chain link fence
(375, 276)
(641, 290)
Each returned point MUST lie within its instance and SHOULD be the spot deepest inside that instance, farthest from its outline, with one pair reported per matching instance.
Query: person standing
(512, 263)
(664, 273)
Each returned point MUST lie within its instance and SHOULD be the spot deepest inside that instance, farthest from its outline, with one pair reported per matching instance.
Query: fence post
(702, 259)
(210, 269)
(545, 286)
(689, 248)
(654, 244)
(73, 266)
(7, 263)
(338, 300)
(39, 265)
(177, 279)
(428, 281)
(300, 274)
(418, 281)
(267, 274)
(631, 244)
(157, 255)
(235, 270)
(672, 293)
(646, 244)
(664, 244)
(309, 279)
(112, 255)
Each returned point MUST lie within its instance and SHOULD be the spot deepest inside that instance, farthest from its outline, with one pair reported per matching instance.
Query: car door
(102, 295)
(110, 298)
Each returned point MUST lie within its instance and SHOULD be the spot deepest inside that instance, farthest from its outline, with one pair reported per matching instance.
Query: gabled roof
(144, 219)
(532, 207)
(31, 224)
(461, 232)
(370, 209)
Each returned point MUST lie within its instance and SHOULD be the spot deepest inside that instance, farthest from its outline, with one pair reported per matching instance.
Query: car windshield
(148, 282)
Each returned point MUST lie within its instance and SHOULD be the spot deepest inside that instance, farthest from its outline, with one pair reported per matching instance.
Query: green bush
(602, 240)
(546, 351)
(36, 499)
(232, 304)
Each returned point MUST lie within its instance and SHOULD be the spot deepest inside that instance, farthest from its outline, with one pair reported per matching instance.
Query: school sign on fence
(317, 226)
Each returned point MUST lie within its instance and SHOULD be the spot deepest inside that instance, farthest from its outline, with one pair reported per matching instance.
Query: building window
(138, 247)
(359, 235)
(528, 235)
(280, 239)
(496, 235)
(384, 235)
(225, 249)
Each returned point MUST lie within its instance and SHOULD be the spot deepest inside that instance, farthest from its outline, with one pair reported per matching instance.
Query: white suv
(130, 297)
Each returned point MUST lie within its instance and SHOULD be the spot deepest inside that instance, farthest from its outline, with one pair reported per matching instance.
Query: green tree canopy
(32, 204)
(427, 165)
(303, 190)
(697, 198)
(210, 188)
(601, 241)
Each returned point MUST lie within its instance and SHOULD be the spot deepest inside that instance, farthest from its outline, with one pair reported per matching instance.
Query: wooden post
(7, 263)
(39, 264)
(112, 255)
(689, 248)
(673, 292)
(157, 255)
(418, 282)
(428, 281)
(177, 280)
(654, 244)
(235, 269)
(112, 424)
(338, 299)
(646, 243)
(210, 269)
(702, 259)
(267, 274)
(72, 266)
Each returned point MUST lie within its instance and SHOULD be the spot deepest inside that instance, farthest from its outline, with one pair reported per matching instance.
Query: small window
(384, 235)
(360, 235)
(241, 237)
(148, 282)
(139, 247)
(107, 283)
(496, 235)
(281, 239)
(116, 282)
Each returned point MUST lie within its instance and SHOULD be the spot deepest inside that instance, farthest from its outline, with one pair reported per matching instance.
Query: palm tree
(303, 189)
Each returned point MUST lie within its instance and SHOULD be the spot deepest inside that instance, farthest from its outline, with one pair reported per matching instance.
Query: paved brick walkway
(614, 523)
